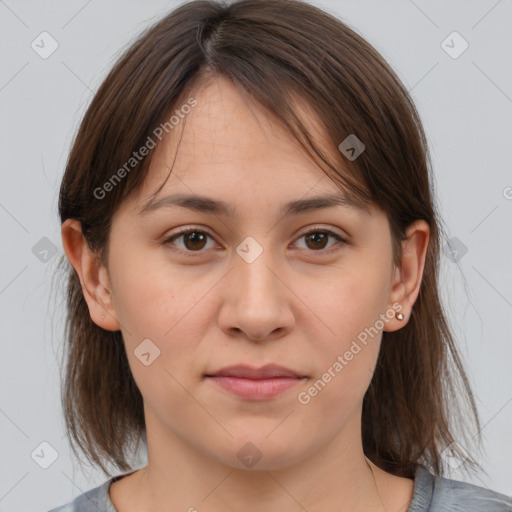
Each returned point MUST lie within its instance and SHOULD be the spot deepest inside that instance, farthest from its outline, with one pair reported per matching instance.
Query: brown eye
(317, 239)
(193, 240)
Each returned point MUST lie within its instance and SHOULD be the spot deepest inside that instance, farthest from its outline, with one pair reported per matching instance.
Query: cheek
(349, 302)
(150, 295)
(155, 302)
(343, 374)
(350, 310)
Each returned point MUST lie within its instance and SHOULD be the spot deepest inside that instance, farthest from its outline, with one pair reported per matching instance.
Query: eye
(193, 238)
(316, 239)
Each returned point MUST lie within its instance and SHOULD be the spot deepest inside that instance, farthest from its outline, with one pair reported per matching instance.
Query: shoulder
(438, 494)
(95, 500)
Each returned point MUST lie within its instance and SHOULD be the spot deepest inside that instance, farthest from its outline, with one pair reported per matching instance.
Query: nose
(258, 300)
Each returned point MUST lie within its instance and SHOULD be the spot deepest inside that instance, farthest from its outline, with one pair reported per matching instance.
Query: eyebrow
(214, 206)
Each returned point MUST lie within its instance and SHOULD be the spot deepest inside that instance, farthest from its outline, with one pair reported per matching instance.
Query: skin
(298, 304)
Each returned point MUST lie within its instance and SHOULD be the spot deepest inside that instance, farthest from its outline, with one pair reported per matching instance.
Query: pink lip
(258, 389)
(256, 383)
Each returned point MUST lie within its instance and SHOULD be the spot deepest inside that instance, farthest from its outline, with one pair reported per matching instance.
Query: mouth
(256, 383)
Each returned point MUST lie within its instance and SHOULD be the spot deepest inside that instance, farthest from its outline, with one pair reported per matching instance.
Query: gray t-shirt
(431, 494)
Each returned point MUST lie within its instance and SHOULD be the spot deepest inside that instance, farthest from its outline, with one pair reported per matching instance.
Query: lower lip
(256, 389)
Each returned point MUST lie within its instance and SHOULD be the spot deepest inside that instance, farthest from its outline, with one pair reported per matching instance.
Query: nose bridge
(255, 270)
(255, 298)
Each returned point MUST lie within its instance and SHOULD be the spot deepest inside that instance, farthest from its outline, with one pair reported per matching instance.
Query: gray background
(466, 106)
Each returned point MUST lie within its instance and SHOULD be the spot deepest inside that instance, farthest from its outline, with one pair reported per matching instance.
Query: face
(247, 286)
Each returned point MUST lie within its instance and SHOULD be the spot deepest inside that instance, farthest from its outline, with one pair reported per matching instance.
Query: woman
(248, 215)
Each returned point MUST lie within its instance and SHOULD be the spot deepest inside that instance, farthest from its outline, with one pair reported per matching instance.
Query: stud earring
(399, 316)
(102, 317)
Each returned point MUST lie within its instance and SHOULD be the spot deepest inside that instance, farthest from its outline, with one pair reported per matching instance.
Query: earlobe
(92, 274)
(407, 279)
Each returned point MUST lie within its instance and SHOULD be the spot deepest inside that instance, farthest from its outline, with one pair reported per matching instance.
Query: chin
(259, 452)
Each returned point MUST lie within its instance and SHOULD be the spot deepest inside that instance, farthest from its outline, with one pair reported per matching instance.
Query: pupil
(321, 235)
(192, 237)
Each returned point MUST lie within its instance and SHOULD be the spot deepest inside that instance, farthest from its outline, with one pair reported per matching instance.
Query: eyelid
(183, 230)
(313, 229)
(343, 239)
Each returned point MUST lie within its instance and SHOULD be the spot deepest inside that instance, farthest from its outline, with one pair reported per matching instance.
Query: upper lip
(248, 372)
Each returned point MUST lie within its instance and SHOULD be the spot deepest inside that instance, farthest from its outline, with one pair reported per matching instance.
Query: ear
(92, 274)
(407, 279)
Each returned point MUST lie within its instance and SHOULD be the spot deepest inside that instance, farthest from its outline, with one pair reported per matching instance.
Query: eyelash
(192, 254)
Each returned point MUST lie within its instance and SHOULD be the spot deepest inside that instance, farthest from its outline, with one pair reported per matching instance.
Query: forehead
(227, 128)
(228, 146)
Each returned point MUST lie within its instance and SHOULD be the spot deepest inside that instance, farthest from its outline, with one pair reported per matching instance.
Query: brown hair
(275, 51)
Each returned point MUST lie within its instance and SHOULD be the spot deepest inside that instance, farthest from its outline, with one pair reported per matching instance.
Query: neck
(336, 477)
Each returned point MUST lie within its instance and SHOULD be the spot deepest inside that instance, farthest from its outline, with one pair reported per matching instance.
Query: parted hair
(276, 52)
